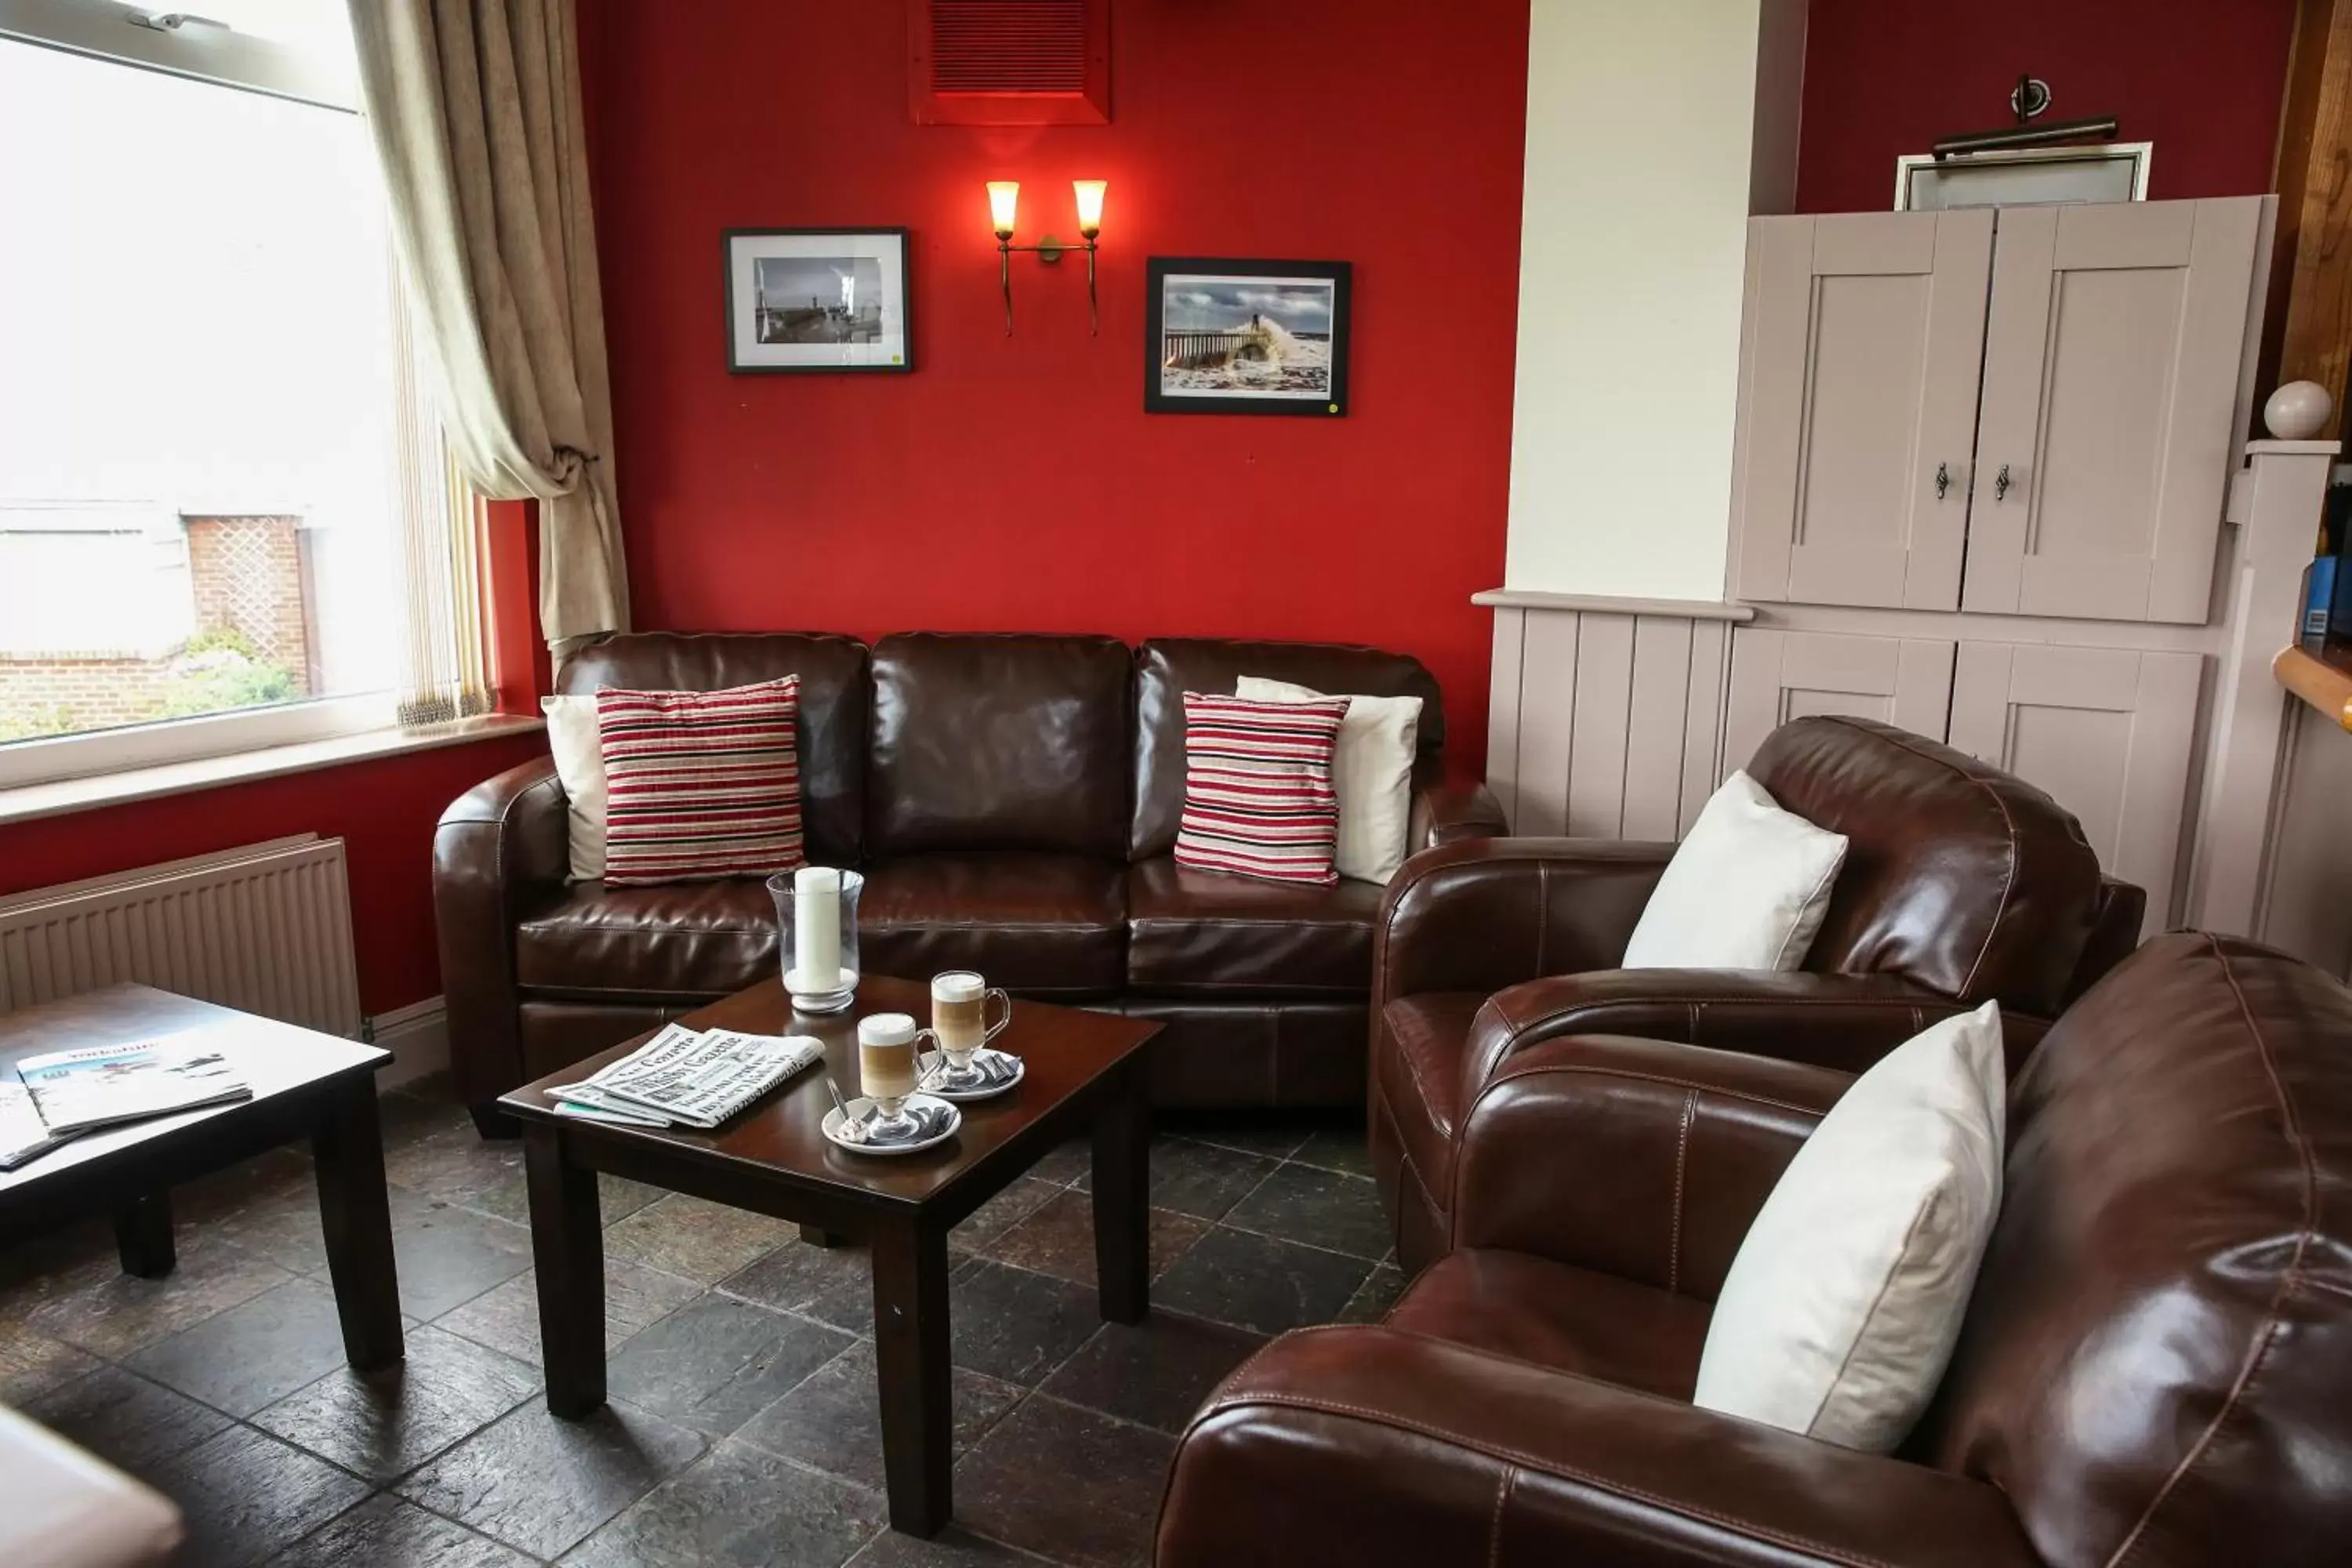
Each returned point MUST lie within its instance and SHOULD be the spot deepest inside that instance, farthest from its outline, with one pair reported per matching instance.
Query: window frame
(221, 56)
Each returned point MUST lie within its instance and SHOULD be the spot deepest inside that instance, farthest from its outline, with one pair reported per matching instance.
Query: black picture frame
(1163, 392)
(749, 354)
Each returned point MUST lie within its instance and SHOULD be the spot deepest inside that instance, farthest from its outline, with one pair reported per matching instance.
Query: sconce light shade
(1090, 200)
(1003, 202)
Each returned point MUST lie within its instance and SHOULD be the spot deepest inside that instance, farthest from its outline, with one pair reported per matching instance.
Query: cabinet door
(2110, 383)
(1778, 676)
(1862, 351)
(2106, 731)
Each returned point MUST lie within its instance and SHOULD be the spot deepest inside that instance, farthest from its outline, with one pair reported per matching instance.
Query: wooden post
(2309, 334)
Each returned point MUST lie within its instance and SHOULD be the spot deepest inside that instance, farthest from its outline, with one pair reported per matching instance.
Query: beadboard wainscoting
(1605, 719)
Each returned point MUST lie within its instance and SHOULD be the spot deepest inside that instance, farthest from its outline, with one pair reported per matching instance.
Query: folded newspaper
(698, 1077)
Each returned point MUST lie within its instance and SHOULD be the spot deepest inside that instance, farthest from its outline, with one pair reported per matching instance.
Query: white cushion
(1747, 889)
(1371, 772)
(572, 735)
(1843, 1303)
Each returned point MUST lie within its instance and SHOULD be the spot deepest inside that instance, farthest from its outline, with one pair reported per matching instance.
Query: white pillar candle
(817, 928)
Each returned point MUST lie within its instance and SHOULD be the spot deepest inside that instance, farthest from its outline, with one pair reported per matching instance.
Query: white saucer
(929, 1059)
(831, 1126)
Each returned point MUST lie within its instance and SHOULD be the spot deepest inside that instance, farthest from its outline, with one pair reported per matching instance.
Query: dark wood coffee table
(1084, 1070)
(305, 1085)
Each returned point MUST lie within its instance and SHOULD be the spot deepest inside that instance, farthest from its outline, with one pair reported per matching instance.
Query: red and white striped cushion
(700, 784)
(1257, 787)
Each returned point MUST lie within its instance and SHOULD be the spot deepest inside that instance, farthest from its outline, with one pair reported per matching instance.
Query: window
(212, 456)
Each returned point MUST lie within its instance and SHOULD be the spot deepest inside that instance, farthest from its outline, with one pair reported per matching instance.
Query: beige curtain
(475, 108)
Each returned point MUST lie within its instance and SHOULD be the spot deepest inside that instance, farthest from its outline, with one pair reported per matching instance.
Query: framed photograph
(818, 298)
(2104, 172)
(1246, 337)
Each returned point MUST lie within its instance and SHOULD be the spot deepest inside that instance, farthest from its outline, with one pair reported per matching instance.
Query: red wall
(1016, 482)
(383, 810)
(2200, 79)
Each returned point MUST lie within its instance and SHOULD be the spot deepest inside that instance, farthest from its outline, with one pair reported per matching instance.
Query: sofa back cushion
(1957, 876)
(1167, 668)
(2157, 1361)
(833, 698)
(999, 742)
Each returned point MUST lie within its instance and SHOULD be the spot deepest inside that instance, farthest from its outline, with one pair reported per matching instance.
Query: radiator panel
(264, 929)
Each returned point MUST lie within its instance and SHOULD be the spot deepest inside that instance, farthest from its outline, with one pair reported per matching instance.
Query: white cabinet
(1858, 398)
(2047, 392)
(2110, 381)
(2109, 733)
(1776, 675)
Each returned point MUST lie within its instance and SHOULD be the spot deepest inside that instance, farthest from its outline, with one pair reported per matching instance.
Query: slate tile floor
(742, 1428)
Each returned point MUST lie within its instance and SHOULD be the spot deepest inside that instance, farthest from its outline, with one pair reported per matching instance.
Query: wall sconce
(1003, 206)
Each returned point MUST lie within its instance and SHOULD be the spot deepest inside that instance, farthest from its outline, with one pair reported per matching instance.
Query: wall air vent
(1008, 62)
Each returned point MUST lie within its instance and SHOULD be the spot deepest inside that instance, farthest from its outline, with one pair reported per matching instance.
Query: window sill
(33, 801)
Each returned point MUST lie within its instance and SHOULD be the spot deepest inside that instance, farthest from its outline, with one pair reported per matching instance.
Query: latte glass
(888, 1045)
(961, 1004)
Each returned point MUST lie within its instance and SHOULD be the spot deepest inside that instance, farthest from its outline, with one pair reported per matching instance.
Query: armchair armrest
(1641, 1159)
(1391, 1447)
(1842, 1021)
(1451, 811)
(500, 848)
(1479, 914)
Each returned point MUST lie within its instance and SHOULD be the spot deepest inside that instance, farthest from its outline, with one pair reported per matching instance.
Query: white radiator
(266, 929)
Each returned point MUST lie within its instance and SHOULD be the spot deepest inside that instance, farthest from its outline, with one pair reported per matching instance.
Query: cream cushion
(1371, 772)
(572, 736)
(1845, 1299)
(1746, 889)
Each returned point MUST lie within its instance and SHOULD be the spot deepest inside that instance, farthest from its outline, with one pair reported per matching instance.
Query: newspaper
(698, 1077)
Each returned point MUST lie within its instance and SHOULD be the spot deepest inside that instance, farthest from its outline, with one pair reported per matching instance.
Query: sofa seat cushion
(1041, 924)
(682, 939)
(1417, 1073)
(1192, 931)
(1569, 1318)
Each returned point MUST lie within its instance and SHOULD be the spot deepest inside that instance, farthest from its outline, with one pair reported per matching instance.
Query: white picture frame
(2027, 176)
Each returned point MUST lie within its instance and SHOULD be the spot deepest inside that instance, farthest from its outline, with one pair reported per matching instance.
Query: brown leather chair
(1013, 801)
(2155, 1369)
(1961, 885)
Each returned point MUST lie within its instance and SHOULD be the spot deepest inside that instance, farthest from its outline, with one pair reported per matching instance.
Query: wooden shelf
(2321, 677)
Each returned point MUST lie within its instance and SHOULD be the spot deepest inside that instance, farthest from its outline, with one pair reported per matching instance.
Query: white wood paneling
(1776, 675)
(1614, 722)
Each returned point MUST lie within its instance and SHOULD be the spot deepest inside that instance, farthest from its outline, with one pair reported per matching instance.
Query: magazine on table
(75, 1091)
(23, 1135)
(698, 1077)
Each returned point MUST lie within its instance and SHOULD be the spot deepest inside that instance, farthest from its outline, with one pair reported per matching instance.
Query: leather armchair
(1961, 885)
(2156, 1365)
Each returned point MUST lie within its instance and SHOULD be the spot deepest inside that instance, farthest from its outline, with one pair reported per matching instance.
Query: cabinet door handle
(1942, 479)
(2000, 485)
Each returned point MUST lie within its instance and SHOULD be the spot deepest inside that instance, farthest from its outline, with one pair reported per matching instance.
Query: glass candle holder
(817, 918)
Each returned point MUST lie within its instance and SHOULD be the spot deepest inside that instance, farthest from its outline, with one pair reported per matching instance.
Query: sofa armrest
(1480, 914)
(502, 847)
(1340, 1447)
(1451, 811)
(1842, 1021)
(1641, 1159)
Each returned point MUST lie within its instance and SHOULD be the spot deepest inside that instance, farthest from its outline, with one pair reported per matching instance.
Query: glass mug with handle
(961, 1001)
(888, 1045)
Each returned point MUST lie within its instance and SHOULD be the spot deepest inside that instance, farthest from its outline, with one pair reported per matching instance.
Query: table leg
(910, 1345)
(355, 1213)
(142, 1236)
(567, 1249)
(1123, 1192)
(817, 1236)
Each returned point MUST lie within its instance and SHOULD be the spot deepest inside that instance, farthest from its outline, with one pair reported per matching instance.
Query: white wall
(1643, 162)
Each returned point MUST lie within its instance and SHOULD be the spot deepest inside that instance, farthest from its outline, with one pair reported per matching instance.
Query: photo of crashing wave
(1246, 337)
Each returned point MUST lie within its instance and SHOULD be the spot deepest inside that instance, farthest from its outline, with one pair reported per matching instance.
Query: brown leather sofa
(2155, 1366)
(1961, 885)
(1013, 801)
